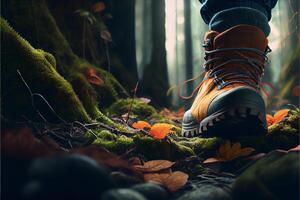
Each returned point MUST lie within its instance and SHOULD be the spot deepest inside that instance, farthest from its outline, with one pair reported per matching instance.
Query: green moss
(112, 142)
(161, 149)
(202, 146)
(35, 23)
(139, 108)
(37, 68)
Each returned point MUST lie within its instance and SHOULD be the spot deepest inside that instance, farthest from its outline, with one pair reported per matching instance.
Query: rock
(122, 194)
(67, 177)
(206, 192)
(123, 180)
(151, 191)
(275, 176)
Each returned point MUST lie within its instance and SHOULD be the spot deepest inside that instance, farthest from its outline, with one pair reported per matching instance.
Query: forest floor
(148, 159)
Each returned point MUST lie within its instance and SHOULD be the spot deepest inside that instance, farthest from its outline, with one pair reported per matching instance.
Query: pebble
(151, 191)
(66, 177)
(122, 194)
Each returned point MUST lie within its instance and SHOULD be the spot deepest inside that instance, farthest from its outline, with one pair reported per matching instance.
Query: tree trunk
(155, 82)
(188, 43)
(123, 33)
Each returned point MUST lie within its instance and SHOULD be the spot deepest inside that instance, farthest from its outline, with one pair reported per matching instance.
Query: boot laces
(224, 76)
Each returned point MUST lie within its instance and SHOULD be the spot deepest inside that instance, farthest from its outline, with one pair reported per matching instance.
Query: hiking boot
(228, 103)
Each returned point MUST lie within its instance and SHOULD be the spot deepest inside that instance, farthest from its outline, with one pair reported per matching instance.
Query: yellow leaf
(160, 130)
(141, 125)
(228, 152)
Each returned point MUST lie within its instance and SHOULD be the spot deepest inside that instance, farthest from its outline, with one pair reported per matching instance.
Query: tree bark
(188, 43)
(155, 82)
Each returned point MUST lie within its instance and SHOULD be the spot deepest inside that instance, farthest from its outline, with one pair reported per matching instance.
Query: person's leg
(221, 15)
(229, 103)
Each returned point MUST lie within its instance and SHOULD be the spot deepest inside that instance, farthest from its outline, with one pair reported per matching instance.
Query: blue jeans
(219, 13)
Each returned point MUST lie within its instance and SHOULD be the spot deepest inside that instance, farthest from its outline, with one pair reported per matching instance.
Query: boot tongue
(241, 36)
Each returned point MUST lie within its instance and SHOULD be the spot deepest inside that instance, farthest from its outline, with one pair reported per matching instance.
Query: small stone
(206, 192)
(275, 176)
(123, 180)
(67, 177)
(122, 194)
(151, 191)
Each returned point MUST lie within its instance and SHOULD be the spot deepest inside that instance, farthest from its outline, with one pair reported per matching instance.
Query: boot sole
(241, 121)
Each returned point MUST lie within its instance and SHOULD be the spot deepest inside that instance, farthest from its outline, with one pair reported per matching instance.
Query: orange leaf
(270, 119)
(280, 115)
(141, 125)
(99, 7)
(154, 166)
(93, 78)
(160, 130)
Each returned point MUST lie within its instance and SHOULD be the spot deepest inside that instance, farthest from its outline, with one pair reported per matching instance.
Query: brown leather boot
(228, 103)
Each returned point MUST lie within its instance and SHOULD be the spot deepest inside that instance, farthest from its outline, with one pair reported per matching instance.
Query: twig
(133, 97)
(42, 97)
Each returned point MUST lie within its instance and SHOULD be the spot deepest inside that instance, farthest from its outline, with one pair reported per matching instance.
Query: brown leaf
(297, 148)
(176, 181)
(156, 177)
(93, 78)
(172, 115)
(154, 166)
(105, 35)
(213, 160)
(172, 181)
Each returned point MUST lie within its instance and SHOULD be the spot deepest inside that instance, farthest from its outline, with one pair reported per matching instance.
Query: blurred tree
(188, 43)
(155, 82)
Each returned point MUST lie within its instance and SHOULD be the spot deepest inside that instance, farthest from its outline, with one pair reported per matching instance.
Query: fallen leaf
(99, 7)
(176, 181)
(270, 119)
(93, 78)
(135, 161)
(213, 160)
(155, 166)
(278, 117)
(297, 148)
(228, 152)
(141, 125)
(160, 130)
(156, 177)
(172, 181)
(105, 35)
(172, 115)
(145, 100)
